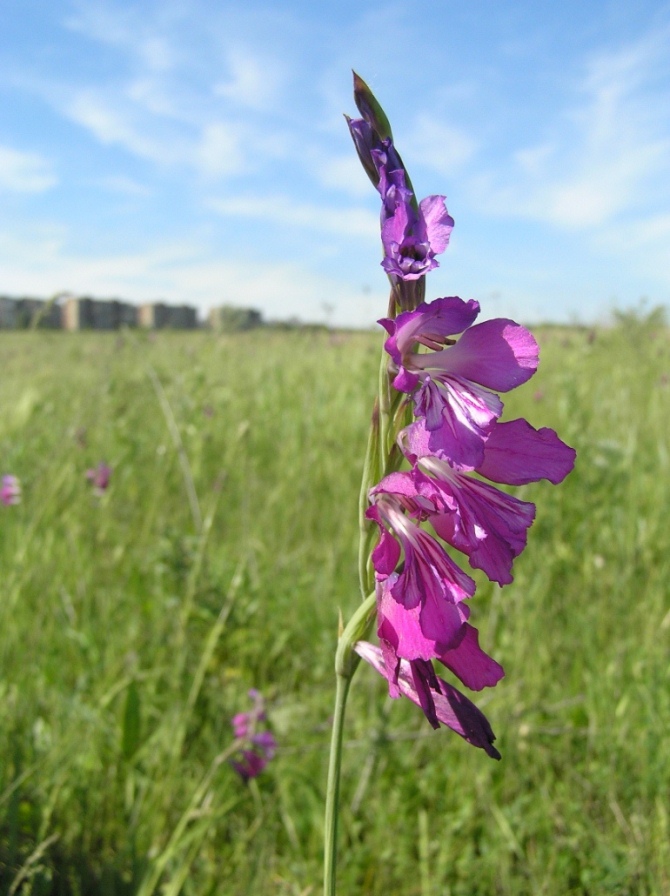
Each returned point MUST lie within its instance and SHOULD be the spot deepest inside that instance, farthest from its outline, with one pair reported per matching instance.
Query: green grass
(131, 630)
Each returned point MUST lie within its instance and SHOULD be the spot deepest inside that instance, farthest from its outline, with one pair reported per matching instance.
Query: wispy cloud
(607, 151)
(352, 222)
(24, 172)
(221, 150)
(124, 185)
(110, 121)
(254, 82)
(445, 148)
(341, 174)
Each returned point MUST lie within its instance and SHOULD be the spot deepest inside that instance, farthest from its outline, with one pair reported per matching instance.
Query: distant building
(7, 313)
(84, 313)
(231, 319)
(69, 312)
(37, 313)
(158, 316)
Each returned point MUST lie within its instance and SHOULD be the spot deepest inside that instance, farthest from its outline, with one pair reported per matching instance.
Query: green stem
(346, 663)
(333, 792)
(370, 476)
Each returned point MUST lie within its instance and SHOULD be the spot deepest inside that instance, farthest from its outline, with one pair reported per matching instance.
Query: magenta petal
(439, 222)
(406, 381)
(498, 354)
(425, 684)
(450, 707)
(429, 322)
(386, 554)
(488, 525)
(402, 628)
(396, 484)
(468, 662)
(446, 317)
(459, 416)
(516, 453)
(250, 765)
(267, 743)
(430, 570)
(455, 711)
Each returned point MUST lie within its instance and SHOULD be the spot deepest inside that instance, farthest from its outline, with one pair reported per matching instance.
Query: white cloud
(642, 245)
(609, 151)
(443, 147)
(120, 183)
(157, 54)
(254, 82)
(141, 36)
(285, 211)
(221, 150)
(343, 174)
(154, 95)
(111, 124)
(24, 172)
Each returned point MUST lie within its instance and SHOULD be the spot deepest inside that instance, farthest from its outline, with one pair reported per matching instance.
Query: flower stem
(333, 792)
(346, 663)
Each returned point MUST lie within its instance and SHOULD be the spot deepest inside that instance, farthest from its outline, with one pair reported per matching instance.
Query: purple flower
(10, 490)
(440, 701)
(488, 525)
(474, 517)
(99, 478)
(451, 384)
(401, 637)
(367, 140)
(412, 236)
(430, 583)
(257, 747)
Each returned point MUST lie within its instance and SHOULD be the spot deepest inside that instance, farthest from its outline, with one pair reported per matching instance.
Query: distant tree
(232, 319)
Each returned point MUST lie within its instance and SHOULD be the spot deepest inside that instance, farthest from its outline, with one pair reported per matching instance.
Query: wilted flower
(10, 491)
(257, 747)
(99, 477)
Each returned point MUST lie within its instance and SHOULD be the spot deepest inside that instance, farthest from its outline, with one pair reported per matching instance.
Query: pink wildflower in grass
(99, 477)
(257, 747)
(10, 490)
(451, 385)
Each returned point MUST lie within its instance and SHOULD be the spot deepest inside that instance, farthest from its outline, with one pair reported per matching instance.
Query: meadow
(135, 621)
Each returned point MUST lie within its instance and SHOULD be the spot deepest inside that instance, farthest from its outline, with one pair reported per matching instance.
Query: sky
(196, 152)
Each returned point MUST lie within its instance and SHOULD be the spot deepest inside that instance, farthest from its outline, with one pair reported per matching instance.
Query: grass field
(133, 624)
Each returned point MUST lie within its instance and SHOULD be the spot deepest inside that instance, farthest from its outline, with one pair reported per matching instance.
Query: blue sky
(195, 151)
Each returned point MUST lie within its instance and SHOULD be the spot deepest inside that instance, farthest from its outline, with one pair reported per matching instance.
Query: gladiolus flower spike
(443, 375)
(437, 445)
